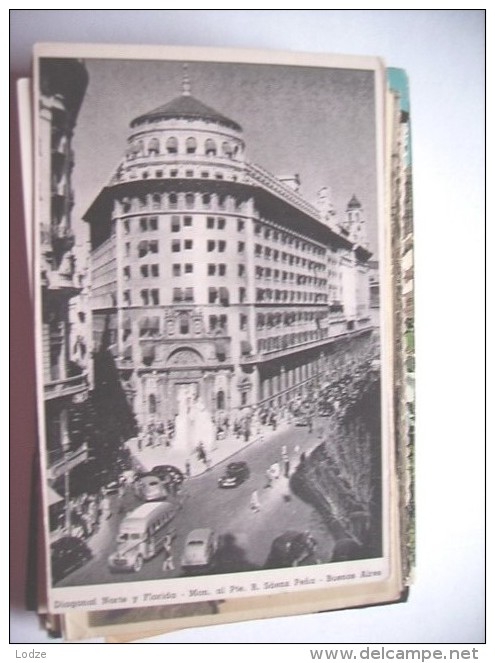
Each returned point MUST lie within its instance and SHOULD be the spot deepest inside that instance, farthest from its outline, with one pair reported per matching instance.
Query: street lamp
(65, 449)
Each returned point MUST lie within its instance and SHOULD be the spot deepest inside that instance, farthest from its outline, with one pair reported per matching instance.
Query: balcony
(75, 387)
(62, 237)
(60, 463)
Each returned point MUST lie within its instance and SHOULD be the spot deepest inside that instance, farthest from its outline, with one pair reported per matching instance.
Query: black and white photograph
(211, 328)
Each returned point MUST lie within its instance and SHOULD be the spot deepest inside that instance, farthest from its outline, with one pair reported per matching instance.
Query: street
(245, 535)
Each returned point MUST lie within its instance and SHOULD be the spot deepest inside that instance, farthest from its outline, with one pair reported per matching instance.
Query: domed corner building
(210, 273)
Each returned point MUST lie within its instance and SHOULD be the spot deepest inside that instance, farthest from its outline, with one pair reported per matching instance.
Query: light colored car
(149, 488)
(199, 549)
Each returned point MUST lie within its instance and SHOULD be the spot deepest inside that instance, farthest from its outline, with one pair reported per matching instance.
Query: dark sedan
(235, 474)
(291, 549)
(68, 554)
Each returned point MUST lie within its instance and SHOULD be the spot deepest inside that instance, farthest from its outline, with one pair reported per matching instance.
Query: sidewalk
(148, 457)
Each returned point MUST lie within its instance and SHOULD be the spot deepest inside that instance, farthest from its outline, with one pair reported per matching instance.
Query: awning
(127, 354)
(144, 325)
(53, 496)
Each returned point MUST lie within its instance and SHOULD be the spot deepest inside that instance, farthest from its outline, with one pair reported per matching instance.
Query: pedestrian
(188, 469)
(285, 461)
(106, 512)
(200, 450)
(121, 493)
(255, 502)
(269, 478)
(168, 559)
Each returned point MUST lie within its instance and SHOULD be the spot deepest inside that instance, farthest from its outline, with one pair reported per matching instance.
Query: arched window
(152, 404)
(156, 201)
(172, 200)
(227, 148)
(153, 146)
(139, 148)
(210, 147)
(172, 145)
(220, 400)
(191, 145)
(189, 200)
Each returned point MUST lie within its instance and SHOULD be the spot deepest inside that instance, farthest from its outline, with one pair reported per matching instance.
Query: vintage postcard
(215, 330)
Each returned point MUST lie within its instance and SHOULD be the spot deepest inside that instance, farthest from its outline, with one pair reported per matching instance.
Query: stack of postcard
(223, 292)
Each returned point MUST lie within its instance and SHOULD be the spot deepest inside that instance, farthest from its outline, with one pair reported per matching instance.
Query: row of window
(151, 296)
(299, 279)
(175, 172)
(191, 145)
(269, 295)
(145, 271)
(187, 200)
(288, 318)
(150, 223)
(289, 240)
(150, 326)
(221, 269)
(146, 246)
(284, 341)
(275, 255)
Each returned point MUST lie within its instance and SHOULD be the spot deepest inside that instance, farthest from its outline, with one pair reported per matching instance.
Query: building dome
(185, 107)
(186, 135)
(353, 203)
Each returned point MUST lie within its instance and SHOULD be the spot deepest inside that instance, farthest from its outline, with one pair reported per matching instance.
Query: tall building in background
(211, 276)
(62, 84)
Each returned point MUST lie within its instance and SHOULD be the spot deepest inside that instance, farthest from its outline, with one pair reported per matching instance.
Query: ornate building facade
(62, 87)
(212, 275)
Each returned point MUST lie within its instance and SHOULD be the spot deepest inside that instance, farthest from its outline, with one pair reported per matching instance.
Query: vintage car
(291, 549)
(235, 474)
(68, 554)
(199, 549)
(141, 536)
(149, 488)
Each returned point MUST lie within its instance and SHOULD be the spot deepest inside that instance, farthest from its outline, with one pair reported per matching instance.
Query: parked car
(291, 549)
(148, 487)
(199, 549)
(235, 474)
(68, 554)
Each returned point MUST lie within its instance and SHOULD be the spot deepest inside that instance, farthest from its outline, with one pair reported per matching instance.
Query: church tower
(355, 222)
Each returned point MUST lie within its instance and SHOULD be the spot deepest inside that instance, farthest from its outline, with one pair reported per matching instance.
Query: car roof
(200, 533)
(148, 509)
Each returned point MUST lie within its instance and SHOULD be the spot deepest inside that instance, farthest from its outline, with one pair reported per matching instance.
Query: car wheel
(138, 564)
